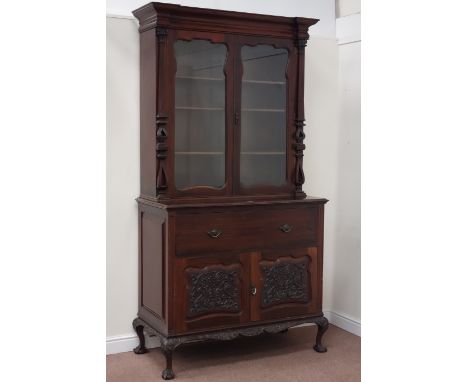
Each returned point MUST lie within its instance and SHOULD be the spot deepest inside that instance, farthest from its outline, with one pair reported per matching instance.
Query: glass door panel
(200, 114)
(263, 116)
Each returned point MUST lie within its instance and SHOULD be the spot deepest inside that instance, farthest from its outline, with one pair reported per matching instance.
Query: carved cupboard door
(285, 284)
(212, 291)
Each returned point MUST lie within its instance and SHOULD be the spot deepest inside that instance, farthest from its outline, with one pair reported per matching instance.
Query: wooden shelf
(199, 78)
(266, 110)
(263, 153)
(199, 153)
(222, 79)
(222, 153)
(264, 82)
(198, 108)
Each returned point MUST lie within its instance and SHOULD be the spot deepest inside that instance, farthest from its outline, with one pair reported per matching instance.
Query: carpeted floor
(286, 357)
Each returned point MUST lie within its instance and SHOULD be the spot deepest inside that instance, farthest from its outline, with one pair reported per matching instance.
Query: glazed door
(232, 115)
(202, 113)
(285, 284)
(265, 95)
(212, 291)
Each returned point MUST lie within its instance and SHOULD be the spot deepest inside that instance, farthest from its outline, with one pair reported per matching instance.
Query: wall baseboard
(344, 322)
(126, 342)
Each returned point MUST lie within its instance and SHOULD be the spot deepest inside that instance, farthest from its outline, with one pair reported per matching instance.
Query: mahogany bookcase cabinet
(229, 244)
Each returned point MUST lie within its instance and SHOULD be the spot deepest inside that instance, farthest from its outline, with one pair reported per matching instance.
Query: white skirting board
(126, 342)
(344, 322)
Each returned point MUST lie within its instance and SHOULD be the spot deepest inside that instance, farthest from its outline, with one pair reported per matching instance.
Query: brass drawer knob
(286, 228)
(214, 233)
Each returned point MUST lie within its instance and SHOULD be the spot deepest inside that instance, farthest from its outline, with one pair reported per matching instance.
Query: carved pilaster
(299, 146)
(300, 40)
(161, 152)
(162, 116)
(301, 44)
(161, 33)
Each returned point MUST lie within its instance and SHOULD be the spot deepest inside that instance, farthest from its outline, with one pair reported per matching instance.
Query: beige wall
(320, 156)
(123, 173)
(347, 7)
(346, 273)
(332, 166)
(326, 168)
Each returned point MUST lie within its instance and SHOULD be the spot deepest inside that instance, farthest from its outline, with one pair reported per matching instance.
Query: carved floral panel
(285, 281)
(213, 289)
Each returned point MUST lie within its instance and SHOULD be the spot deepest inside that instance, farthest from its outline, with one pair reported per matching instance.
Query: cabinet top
(202, 204)
(175, 16)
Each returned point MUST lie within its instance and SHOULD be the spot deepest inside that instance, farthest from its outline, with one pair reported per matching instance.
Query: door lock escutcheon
(236, 118)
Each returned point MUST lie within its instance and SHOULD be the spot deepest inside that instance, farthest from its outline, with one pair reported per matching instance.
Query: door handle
(253, 290)
(214, 233)
(286, 228)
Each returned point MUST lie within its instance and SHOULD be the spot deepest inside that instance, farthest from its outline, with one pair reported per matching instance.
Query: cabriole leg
(140, 349)
(167, 373)
(322, 325)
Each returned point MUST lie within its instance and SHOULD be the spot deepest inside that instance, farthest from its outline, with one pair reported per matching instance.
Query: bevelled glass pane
(263, 116)
(200, 114)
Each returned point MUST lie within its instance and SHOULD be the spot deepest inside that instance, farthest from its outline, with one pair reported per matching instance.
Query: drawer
(245, 230)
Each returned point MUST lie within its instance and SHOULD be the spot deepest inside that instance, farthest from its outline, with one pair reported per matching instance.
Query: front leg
(167, 350)
(322, 325)
(141, 348)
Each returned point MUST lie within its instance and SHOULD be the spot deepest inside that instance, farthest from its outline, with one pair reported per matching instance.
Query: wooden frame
(170, 92)
(157, 77)
(288, 189)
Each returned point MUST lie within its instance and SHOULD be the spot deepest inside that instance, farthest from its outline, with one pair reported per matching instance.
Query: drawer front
(250, 229)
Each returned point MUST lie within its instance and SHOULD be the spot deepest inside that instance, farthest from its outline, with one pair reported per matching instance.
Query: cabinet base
(168, 344)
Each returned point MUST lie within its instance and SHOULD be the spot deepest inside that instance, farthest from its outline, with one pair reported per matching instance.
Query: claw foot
(320, 348)
(168, 374)
(140, 350)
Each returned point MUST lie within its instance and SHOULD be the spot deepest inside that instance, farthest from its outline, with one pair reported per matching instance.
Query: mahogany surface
(248, 228)
(218, 262)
